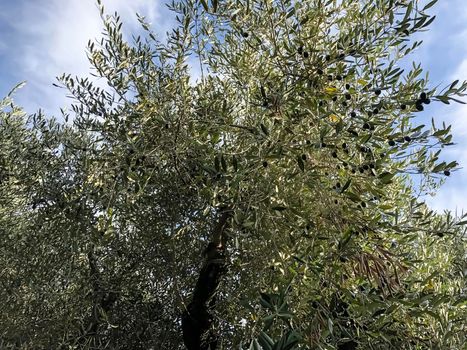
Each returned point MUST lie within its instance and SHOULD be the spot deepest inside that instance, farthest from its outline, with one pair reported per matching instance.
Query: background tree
(293, 155)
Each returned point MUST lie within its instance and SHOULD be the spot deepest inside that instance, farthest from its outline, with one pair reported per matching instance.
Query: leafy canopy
(301, 123)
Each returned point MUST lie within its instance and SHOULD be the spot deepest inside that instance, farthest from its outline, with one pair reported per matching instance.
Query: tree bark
(197, 319)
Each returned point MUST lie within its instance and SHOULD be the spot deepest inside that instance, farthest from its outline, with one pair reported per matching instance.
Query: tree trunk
(198, 332)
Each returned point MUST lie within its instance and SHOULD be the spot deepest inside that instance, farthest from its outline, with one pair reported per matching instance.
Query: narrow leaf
(205, 5)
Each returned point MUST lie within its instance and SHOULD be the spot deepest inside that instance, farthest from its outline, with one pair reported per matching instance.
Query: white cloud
(443, 54)
(51, 37)
(450, 198)
(453, 194)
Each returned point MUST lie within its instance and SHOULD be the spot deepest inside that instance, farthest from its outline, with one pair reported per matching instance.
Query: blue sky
(41, 39)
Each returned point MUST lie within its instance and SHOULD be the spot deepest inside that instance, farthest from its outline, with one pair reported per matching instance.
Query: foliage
(301, 124)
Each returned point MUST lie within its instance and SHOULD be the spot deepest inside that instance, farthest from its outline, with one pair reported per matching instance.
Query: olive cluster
(423, 99)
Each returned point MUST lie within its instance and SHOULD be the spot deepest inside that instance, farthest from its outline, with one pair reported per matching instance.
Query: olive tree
(290, 162)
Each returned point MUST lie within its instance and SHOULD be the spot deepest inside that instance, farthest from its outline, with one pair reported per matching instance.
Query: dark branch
(198, 333)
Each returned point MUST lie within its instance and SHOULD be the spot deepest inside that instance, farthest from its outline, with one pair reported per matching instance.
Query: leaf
(254, 345)
(285, 315)
(248, 224)
(386, 177)
(223, 163)
(330, 325)
(439, 167)
(429, 22)
(265, 300)
(268, 321)
(17, 86)
(330, 90)
(443, 99)
(334, 118)
(265, 341)
(301, 164)
(345, 239)
(299, 259)
(279, 208)
(430, 4)
(352, 196)
(454, 83)
(457, 100)
(362, 82)
(420, 22)
(205, 5)
(439, 133)
(346, 185)
(292, 340)
(264, 129)
(235, 163)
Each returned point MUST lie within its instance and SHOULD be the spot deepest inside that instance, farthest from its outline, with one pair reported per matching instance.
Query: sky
(41, 39)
